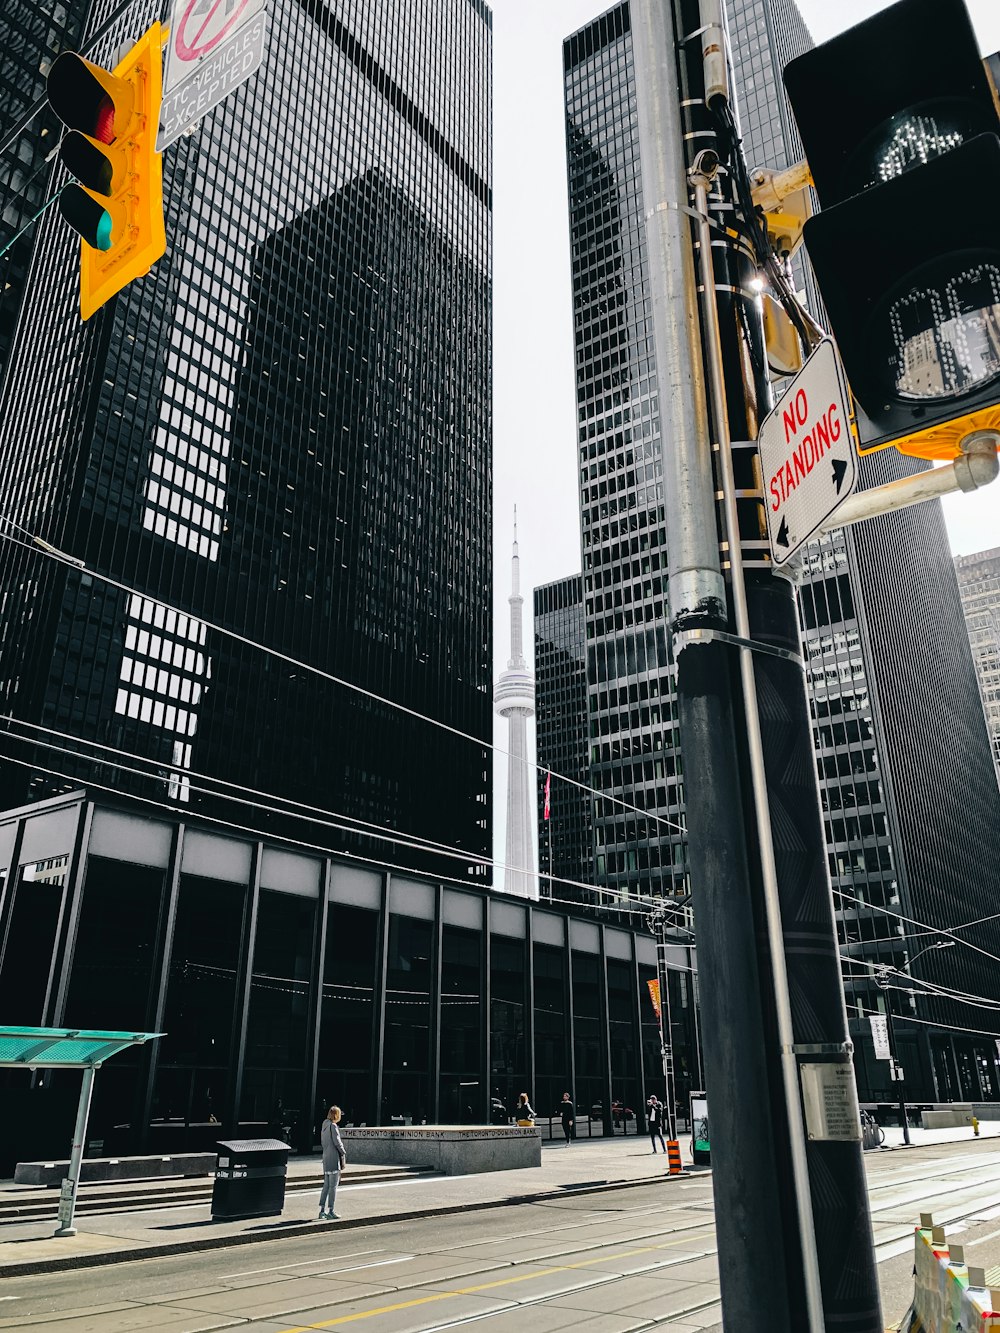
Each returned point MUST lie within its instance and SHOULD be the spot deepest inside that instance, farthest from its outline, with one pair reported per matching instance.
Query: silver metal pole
(701, 178)
(695, 582)
(67, 1201)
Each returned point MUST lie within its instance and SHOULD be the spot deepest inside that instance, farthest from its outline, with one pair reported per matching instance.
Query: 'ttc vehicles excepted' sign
(807, 453)
(214, 46)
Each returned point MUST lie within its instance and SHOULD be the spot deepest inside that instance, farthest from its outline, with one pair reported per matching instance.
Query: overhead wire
(313, 814)
(36, 545)
(899, 916)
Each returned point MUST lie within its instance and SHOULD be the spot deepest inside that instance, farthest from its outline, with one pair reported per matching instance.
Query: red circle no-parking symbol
(204, 23)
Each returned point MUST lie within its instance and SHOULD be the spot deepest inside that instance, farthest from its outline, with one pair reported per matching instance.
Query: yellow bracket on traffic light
(784, 198)
(942, 442)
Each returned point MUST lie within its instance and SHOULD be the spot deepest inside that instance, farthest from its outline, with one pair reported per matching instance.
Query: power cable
(841, 893)
(315, 815)
(37, 545)
(255, 834)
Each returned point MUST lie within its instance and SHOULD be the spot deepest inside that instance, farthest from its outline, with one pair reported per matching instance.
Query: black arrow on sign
(782, 537)
(839, 472)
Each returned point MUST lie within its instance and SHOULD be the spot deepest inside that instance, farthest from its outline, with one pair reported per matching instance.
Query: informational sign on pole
(880, 1036)
(807, 455)
(214, 46)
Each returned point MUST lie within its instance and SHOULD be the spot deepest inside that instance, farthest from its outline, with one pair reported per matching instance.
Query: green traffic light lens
(86, 216)
(941, 328)
(103, 235)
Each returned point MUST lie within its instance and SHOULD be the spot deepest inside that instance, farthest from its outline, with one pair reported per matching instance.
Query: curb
(295, 1230)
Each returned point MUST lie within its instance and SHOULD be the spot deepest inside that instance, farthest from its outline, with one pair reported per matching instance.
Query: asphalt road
(628, 1259)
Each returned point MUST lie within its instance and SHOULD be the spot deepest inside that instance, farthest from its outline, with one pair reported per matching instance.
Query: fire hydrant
(975, 1126)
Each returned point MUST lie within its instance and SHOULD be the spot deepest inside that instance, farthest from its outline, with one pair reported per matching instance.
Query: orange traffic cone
(674, 1157)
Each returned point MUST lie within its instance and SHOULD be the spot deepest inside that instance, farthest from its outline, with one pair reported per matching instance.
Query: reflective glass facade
(286, 980)
(565, 840)
(283, 431)
(979, 584)
(633, 739)
(32, 33)
(904, 765)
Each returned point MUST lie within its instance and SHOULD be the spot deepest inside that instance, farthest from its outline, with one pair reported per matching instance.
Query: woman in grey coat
(334, 1161)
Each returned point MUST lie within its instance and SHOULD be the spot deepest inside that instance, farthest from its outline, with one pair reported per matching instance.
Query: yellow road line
(485, 1286)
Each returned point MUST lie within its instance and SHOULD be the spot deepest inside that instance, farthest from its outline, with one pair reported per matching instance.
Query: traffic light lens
(906, 141)
(943, 330)
(86, 216)
(104, 121)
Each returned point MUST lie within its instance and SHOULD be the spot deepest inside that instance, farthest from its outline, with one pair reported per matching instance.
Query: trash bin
(249, 1178)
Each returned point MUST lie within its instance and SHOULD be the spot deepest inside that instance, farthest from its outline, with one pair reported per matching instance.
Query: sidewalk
(923, 1138)
(149, 1232)
(589, 1166)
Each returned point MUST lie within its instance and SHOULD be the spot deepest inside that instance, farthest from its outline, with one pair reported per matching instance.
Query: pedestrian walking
(334, 1161)
(654, 1120)
(524, 1115)
(567, 1114)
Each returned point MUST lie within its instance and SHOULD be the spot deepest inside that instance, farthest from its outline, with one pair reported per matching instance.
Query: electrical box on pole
(115, 201)
(901, 131)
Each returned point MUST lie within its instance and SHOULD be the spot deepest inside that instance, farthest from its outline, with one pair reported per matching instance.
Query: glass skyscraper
(565, 856)
(979, 584)
(283, 433)
(902, 752)
(32, 33)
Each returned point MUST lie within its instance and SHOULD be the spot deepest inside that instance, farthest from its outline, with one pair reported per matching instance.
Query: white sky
(534, 442)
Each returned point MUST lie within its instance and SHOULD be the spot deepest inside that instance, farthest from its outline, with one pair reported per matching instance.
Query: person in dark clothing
(654, 1121)
(567, 1114)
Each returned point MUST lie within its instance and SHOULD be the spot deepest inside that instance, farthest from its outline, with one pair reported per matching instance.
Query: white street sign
(807, 456)
(880, 1036)
(215, 45)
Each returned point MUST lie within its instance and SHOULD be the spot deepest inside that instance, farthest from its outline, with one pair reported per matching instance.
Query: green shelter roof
(64, 1048)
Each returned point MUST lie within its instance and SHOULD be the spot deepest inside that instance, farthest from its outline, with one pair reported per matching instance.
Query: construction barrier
(674, 1157)
(948, 1296)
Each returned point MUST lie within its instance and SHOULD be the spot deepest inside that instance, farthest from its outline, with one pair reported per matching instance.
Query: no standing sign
(807, 453)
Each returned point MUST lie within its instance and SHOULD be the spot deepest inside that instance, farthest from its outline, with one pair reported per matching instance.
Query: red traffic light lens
(104, 121)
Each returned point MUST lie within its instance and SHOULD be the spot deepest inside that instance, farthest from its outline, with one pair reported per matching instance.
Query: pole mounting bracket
(702, 635)
(819, 1048)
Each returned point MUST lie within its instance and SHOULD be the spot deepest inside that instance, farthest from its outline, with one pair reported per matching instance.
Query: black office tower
(565, 850)
(277, 447)
(909, 796)
(32, 33)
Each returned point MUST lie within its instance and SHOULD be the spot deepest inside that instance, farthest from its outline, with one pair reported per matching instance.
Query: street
(639, 1257)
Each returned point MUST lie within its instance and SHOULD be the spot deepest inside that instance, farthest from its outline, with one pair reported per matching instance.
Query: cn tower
(515, 700)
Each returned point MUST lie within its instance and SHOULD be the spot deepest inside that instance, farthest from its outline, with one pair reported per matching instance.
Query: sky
(534, 439)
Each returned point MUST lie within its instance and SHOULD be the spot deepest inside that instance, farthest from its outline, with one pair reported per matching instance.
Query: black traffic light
(115, 201)
(902, 135)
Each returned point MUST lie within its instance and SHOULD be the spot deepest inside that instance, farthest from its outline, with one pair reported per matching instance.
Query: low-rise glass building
(284, 978)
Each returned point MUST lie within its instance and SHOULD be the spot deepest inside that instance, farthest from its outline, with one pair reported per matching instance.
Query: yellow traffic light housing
(116, 200)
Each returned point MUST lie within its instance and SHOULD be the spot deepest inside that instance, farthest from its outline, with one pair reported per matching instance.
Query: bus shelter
(68, 1048)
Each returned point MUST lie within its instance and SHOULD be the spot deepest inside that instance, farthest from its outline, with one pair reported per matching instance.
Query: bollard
(674, 1157)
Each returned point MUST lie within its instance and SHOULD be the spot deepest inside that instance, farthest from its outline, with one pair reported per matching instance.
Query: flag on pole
(654, 995)
(548, 789)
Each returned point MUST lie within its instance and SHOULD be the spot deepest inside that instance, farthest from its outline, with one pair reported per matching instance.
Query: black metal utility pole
(744, 1177)
(777, 1053)
(657, 922)
(882, 981)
